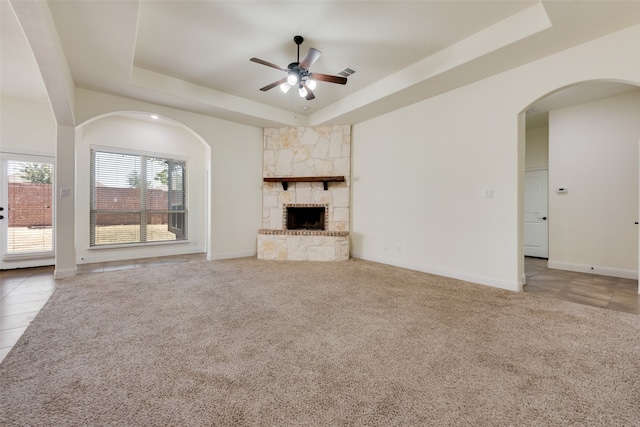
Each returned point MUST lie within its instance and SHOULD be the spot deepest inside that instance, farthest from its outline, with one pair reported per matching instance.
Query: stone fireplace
(306, 194)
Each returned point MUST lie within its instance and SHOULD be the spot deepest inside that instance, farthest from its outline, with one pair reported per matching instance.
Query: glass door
(26, 211)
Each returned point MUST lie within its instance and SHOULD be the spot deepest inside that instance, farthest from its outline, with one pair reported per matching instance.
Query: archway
(155, 137)
(592, 161)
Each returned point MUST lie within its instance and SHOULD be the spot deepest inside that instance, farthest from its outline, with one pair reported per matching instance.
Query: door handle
(1, 216)
(636, 222)
(544, 218)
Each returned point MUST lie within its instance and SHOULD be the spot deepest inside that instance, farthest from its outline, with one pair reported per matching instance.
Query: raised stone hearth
(303, 245)
(316, 152)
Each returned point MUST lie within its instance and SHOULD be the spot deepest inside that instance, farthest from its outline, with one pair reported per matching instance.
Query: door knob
(1, 216)
(544, 218)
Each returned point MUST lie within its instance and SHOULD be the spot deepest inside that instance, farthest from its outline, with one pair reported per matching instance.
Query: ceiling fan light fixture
(303, 92)
(311, 84)
(293, 79)
(285, 87)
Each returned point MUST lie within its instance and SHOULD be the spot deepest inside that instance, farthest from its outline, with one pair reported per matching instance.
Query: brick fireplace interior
(305, 217)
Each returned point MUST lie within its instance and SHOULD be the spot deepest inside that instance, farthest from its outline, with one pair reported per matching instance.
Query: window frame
(143, 212)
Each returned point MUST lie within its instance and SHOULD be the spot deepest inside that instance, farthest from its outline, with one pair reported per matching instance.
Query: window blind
(29, 212)
(136, 199)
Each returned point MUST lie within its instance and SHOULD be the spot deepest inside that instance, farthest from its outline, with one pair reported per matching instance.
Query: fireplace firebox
(306, 218)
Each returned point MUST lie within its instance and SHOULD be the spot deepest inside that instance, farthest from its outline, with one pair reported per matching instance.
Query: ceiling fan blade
(268, 64)
(328, 78)
(310, 94)
(311, 57)
(274, 84)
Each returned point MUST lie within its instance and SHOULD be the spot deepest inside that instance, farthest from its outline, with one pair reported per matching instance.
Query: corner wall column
(65, 247)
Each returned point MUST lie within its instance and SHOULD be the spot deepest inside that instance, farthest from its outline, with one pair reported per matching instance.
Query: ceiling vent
(347, 72)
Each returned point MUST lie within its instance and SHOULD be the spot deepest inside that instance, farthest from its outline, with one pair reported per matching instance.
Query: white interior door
(26, 211)
(536, 207)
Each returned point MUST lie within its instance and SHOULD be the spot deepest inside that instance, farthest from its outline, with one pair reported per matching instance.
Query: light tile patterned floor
(590, 289)
(24, 292)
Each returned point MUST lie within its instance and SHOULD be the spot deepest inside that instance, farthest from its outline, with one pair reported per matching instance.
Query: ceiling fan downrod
(296, 74)
(298, 40)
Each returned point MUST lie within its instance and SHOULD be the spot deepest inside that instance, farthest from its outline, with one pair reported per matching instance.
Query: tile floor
(24, 292)
(590, 289)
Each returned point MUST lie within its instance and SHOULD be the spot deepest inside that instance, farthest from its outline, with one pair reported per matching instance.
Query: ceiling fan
(298, 73)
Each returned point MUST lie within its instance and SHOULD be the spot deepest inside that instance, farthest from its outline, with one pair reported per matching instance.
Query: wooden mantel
(325, 180)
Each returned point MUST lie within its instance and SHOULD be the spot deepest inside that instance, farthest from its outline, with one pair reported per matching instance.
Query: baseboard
(231, 255)
(594, 269)
(63, 273)
(137, 251)
(482, 280)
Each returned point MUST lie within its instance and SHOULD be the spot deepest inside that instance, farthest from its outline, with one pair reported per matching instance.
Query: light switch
(488, 193)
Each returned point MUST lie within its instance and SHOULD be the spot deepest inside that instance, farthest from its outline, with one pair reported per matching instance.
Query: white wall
(27, 127)
(419, 176)
(433, 160)
(537, 148)
(234, 179)
(593, 151)
(236, 190)
(145, 137)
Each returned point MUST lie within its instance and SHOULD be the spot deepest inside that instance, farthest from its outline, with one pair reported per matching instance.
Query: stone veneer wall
(302, 152)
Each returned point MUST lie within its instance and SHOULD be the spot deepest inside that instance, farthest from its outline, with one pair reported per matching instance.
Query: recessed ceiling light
(155, 117)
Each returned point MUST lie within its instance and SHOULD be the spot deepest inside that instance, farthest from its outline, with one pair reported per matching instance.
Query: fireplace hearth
(305, 218)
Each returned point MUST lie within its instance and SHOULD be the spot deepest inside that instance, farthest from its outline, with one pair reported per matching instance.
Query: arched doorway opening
(585, 138)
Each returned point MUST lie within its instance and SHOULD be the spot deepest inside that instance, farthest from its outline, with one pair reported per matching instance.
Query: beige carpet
(258, 343)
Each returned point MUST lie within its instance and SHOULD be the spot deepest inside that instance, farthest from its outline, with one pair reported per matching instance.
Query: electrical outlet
(488, 193)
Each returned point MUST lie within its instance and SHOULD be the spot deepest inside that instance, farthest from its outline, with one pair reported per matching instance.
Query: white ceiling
(194, 55)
